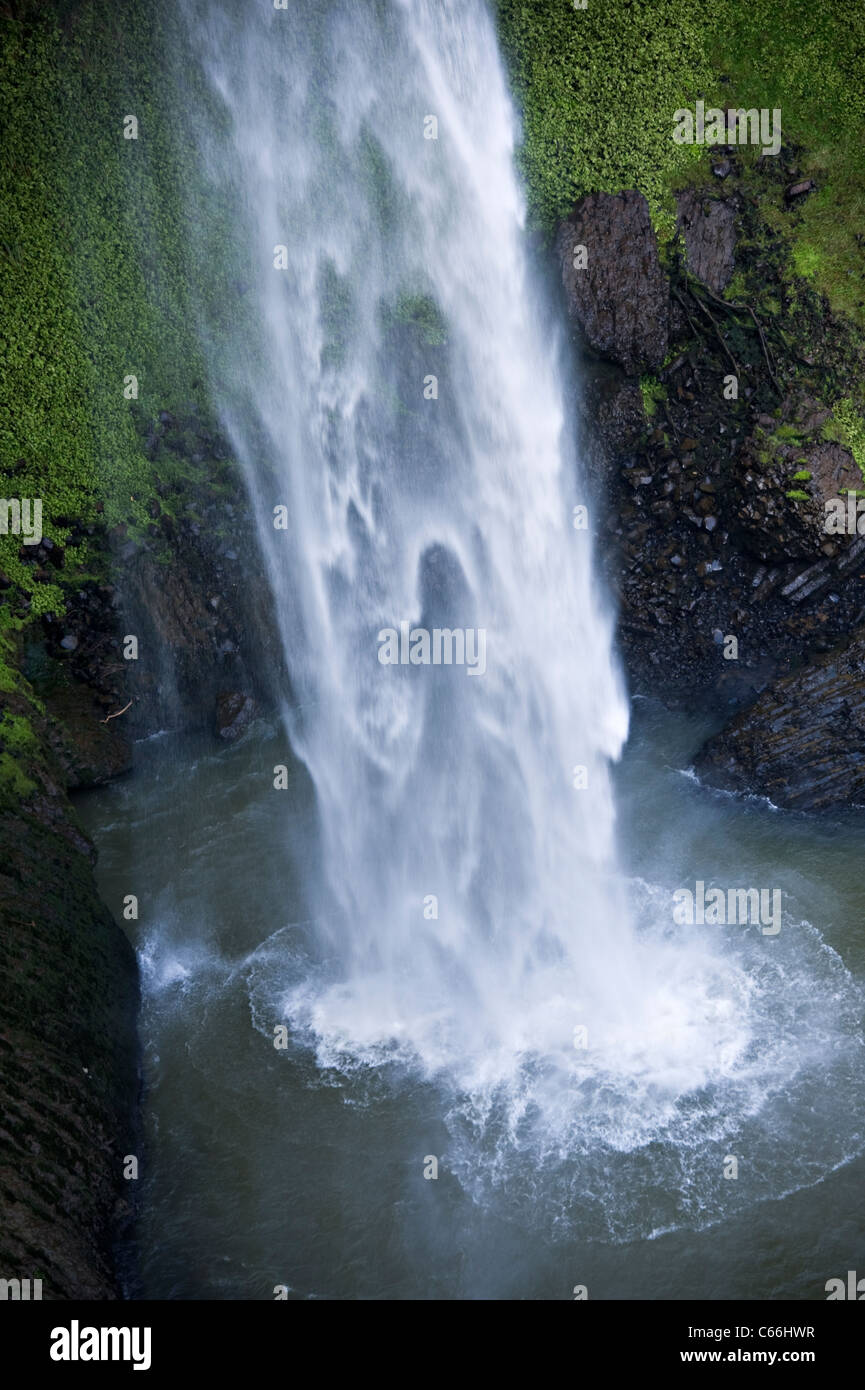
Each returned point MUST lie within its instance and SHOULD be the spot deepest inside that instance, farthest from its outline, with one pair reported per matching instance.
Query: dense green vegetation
(598, 88)
(95, 274)
(807, 59)
(93, 244)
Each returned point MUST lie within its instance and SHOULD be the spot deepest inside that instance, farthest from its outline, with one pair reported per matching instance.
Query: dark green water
(266, 1167)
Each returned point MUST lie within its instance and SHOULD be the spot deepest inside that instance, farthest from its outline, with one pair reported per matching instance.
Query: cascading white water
(453, 512)
(405, 259)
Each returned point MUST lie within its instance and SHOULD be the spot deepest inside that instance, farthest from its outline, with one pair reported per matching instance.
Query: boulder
(621, 299)
(235, 712)
(708, 228)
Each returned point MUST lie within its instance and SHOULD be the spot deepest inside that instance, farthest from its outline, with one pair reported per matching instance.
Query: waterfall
(401, 415)
(390, 375)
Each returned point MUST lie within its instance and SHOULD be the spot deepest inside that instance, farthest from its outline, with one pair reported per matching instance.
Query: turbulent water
(471, 914)
(462, 943)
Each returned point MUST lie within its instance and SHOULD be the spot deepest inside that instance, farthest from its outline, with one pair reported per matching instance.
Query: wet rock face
(203, 619)
(800, 743)
(620, 415)
(88, 741)
(83, 687)
(621, 299)
(708, 227)
(69, 1072)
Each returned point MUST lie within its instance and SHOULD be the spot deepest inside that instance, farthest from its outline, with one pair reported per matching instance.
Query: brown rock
(621, 299)
(798, 190)
(708, 226)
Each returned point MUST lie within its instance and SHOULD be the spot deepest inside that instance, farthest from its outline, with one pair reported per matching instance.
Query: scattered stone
(775, 526)
(235, 712)
(798, 190)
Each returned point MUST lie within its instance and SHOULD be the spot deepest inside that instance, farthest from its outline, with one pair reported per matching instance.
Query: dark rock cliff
(714, 472)
(800, 743)
(194, 595)
(68, 1055)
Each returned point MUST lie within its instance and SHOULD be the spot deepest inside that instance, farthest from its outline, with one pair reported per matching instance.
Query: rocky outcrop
(708, 228)
(620, 300)
(190, 590)
(711, 475)
(800, 743)
(86, 737)
(68, 1054)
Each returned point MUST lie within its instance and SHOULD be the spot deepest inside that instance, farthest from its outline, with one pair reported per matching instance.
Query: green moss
(653, 392)
(806, 59)
(847, 427)
(420, 312)
(97, 254)
(19, 747)
(94, 239)
(597, 89)
(47, 598)
(737, 289)
(803, 476)
(796, 495)
(806, 260)
(16, 734)
(15, 785)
